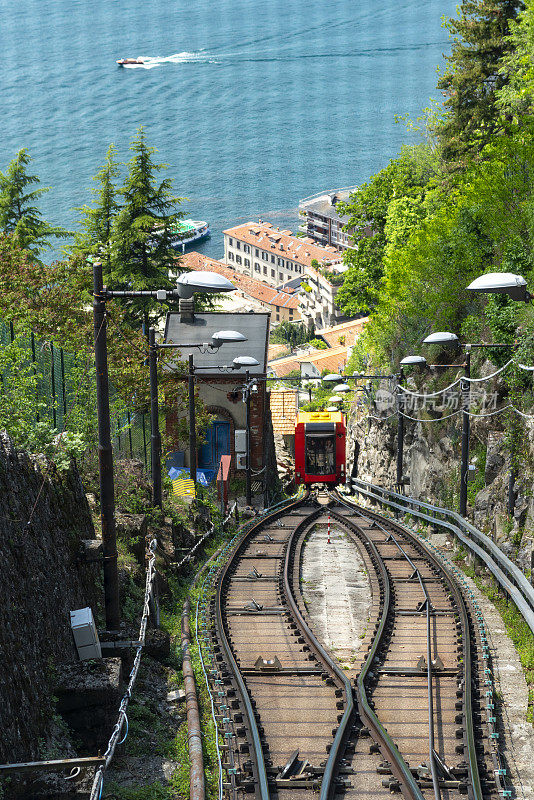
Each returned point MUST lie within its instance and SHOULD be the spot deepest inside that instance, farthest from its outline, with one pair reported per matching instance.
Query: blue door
(217, 444)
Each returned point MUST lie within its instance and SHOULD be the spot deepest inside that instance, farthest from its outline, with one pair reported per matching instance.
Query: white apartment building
(317, 298)
(272, 255)
(322, 222)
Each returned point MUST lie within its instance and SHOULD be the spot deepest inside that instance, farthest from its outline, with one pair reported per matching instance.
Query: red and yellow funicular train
(320, 447)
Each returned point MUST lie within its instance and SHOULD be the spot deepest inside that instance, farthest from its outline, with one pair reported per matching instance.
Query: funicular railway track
(406, 719)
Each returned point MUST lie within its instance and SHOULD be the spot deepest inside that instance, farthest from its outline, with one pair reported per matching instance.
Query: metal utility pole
(464, 468)
(192, 423)
(155, 436)
(105, 456)
(247, 461)
(400, 429)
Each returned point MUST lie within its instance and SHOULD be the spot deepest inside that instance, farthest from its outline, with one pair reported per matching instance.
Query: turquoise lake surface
(252, 104)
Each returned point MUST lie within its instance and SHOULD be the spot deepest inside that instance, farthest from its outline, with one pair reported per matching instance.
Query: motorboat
(125, 62)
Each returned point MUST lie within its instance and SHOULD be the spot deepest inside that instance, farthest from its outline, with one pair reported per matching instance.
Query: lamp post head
(441, 337)
(515, 286)
(245, 361)
(226, 337)
(202, 282)
(412, 361)
(333, 377)
(335, 399)
(332, 408)
(342, 387)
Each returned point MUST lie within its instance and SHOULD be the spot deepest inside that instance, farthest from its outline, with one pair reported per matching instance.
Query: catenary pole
(464, 468)
(247, 457)
(192, 423)
(155, 436)
(105, 456)
(400, 429)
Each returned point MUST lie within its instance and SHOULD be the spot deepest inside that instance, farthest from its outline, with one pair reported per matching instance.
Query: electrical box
(85, 634)
(240, 441)
(471, 472)
(241, 460)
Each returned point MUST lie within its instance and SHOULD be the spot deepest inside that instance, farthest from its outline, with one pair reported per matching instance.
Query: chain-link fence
(58, 376)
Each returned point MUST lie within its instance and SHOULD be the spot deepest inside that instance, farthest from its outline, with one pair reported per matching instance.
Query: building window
(297, 268)
(246, 248)
(265, 256)
(280, 262)
(280, 276)
(273, 260)
(289, 266)
(257, 253)
(257, 267)
(264, 270)
(231, 256)
(230, 241)
(272, 273)
(277, 316)
(290, 313)
(238, 259)
(247, 262)
(238, 245)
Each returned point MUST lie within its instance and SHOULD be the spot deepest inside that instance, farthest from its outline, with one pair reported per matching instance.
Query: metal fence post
(155, 437)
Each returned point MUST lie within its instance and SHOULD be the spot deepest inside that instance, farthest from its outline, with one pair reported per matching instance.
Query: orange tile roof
(249, 286)
(283, 243)
(283, 404)
(350, 330)
(333, 359)
(276, 351)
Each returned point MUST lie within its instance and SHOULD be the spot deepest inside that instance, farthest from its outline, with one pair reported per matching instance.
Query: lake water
(253, 104)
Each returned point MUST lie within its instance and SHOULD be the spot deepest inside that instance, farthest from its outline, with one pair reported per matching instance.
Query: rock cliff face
(432, 467)
(43, 519)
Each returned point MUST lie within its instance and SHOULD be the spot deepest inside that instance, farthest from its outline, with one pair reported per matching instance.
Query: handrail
(507, 574)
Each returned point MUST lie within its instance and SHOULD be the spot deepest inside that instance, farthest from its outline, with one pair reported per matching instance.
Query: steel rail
(335, 751)
(431, 738)
(251, 719)
(394, 756)
(507, 574)
(467, 647)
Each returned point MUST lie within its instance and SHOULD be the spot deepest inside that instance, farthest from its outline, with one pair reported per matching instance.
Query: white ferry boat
(188, 231)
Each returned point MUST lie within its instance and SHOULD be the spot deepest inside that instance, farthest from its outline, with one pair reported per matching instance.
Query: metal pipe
(197, 789)
(464, 467)
(155, 436)
(192, 423)
(105, 456)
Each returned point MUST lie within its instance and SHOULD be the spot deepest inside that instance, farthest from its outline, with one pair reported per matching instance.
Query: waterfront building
(322, 221)
(271, 255)
(258, 296)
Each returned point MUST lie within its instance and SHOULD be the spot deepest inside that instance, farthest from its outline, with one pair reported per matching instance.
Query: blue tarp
(204, 476)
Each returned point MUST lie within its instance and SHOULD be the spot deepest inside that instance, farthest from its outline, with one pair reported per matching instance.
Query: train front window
(320, 453)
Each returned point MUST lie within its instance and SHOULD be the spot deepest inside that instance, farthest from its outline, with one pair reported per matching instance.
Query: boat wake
(149, 62)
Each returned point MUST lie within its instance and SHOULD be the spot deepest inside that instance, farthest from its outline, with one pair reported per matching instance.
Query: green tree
(401, 187)
(19, 215)
(142, 255)
(516, 98)
(292, 334)
(97, 221)
(472, 78)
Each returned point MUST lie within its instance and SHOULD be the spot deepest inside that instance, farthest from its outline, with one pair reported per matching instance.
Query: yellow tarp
(183, 487)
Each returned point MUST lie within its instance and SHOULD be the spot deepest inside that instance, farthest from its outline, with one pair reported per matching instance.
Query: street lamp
(515, 286)
(187, 285)
(331, 377)
(407, 361)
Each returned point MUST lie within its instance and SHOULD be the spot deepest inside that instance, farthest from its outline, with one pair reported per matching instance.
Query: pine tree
(19, 214)
(97, 222)
(472, 77)
(516, 98)
(141, 253)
